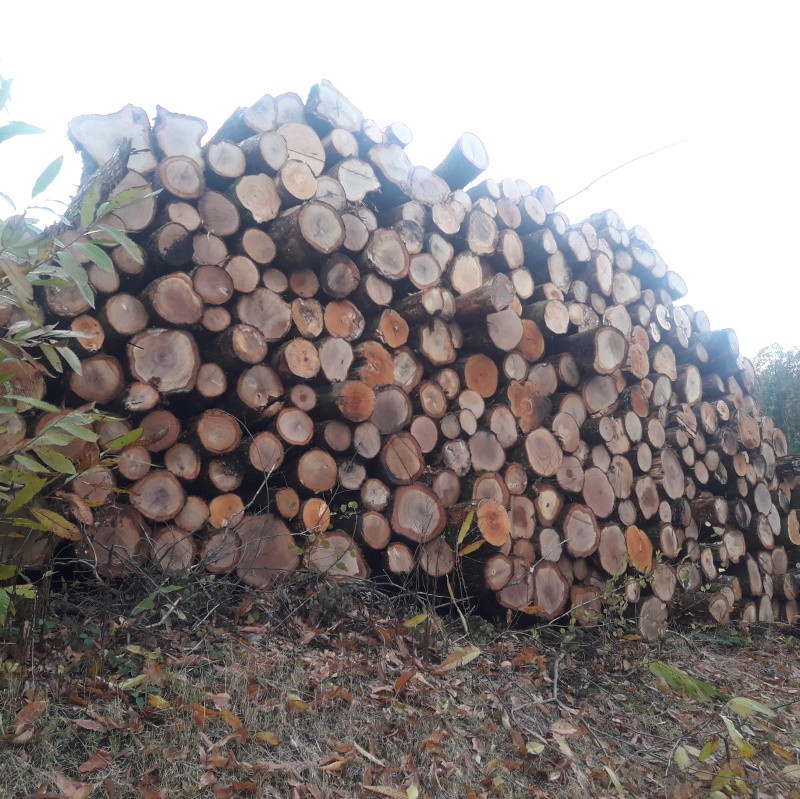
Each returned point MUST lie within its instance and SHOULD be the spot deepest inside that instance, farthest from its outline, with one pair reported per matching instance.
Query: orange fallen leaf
(154, 672)
(401, 682)
(24, 722)
(336, 765)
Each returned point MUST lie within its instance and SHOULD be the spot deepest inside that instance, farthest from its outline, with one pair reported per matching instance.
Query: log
(166, 359)
(417, 513)
(337, 556)
(268, 551)
(581, 531)
(465, 161)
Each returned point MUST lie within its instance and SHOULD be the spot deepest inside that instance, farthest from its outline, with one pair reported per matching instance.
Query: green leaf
(682, 758)
(124, 199)
(17, 129)
(7, 572)
(57, 524)
(89, 205)
(78, 274)
(125, 440)
(77, 430)
(53, 437)
(740, 745)
(675, 678)
(6, 198)
(746, 708)
(148, 603)
(49, 174)
(709, 749)
(71, 358)
(26, 591)
(126, 243)
(52, 356)
(5, 605)
(55, 460)
(40, 405)
(21, 523)
(462, 533)
(29, 463)
(95, 254)
(614, 780)
(26, 494)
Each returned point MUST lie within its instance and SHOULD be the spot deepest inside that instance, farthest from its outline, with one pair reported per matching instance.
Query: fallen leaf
(563, 728)
(154, 672)
(470, 548)
(393, 793)
(269, 738)
(24, 722)
(158, 702)
(781, 752)
(220, 701)
(615, 780)
(335, 765)
(90, 724)
(415, 621)
(295, 704)
(746, 708)
(564, 746)
(97, 761)
(401, 682)
(72, 789)
(459, 656)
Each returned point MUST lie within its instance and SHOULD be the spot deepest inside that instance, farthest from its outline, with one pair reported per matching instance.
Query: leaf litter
(359, 703)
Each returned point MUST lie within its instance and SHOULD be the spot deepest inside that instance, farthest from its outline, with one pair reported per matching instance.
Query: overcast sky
(559, 92)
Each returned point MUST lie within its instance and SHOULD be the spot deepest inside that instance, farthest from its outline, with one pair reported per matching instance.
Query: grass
(324, 690)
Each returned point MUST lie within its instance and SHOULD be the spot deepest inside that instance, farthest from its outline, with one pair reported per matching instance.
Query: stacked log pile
(345, 362)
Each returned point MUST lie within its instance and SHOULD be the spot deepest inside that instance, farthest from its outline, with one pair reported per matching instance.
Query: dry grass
(340, 699)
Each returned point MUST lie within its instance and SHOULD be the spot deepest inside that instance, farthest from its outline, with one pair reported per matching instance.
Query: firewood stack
(495, 395)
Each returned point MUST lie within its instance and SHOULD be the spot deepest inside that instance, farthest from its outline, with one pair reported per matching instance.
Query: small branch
(617, 168)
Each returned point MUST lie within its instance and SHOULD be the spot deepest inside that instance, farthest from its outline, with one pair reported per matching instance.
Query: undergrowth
(325, 689)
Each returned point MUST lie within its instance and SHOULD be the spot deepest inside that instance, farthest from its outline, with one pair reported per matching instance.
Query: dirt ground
(324, 690)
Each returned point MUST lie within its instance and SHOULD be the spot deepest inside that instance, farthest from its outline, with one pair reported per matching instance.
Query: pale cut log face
(167, 359)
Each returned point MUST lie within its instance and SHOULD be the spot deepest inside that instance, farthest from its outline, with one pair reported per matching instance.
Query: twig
(616, 168)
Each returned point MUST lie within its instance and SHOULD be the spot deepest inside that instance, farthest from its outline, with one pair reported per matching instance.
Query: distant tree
(778, 389)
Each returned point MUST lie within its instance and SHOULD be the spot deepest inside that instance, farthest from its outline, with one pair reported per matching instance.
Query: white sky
(559, 92)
